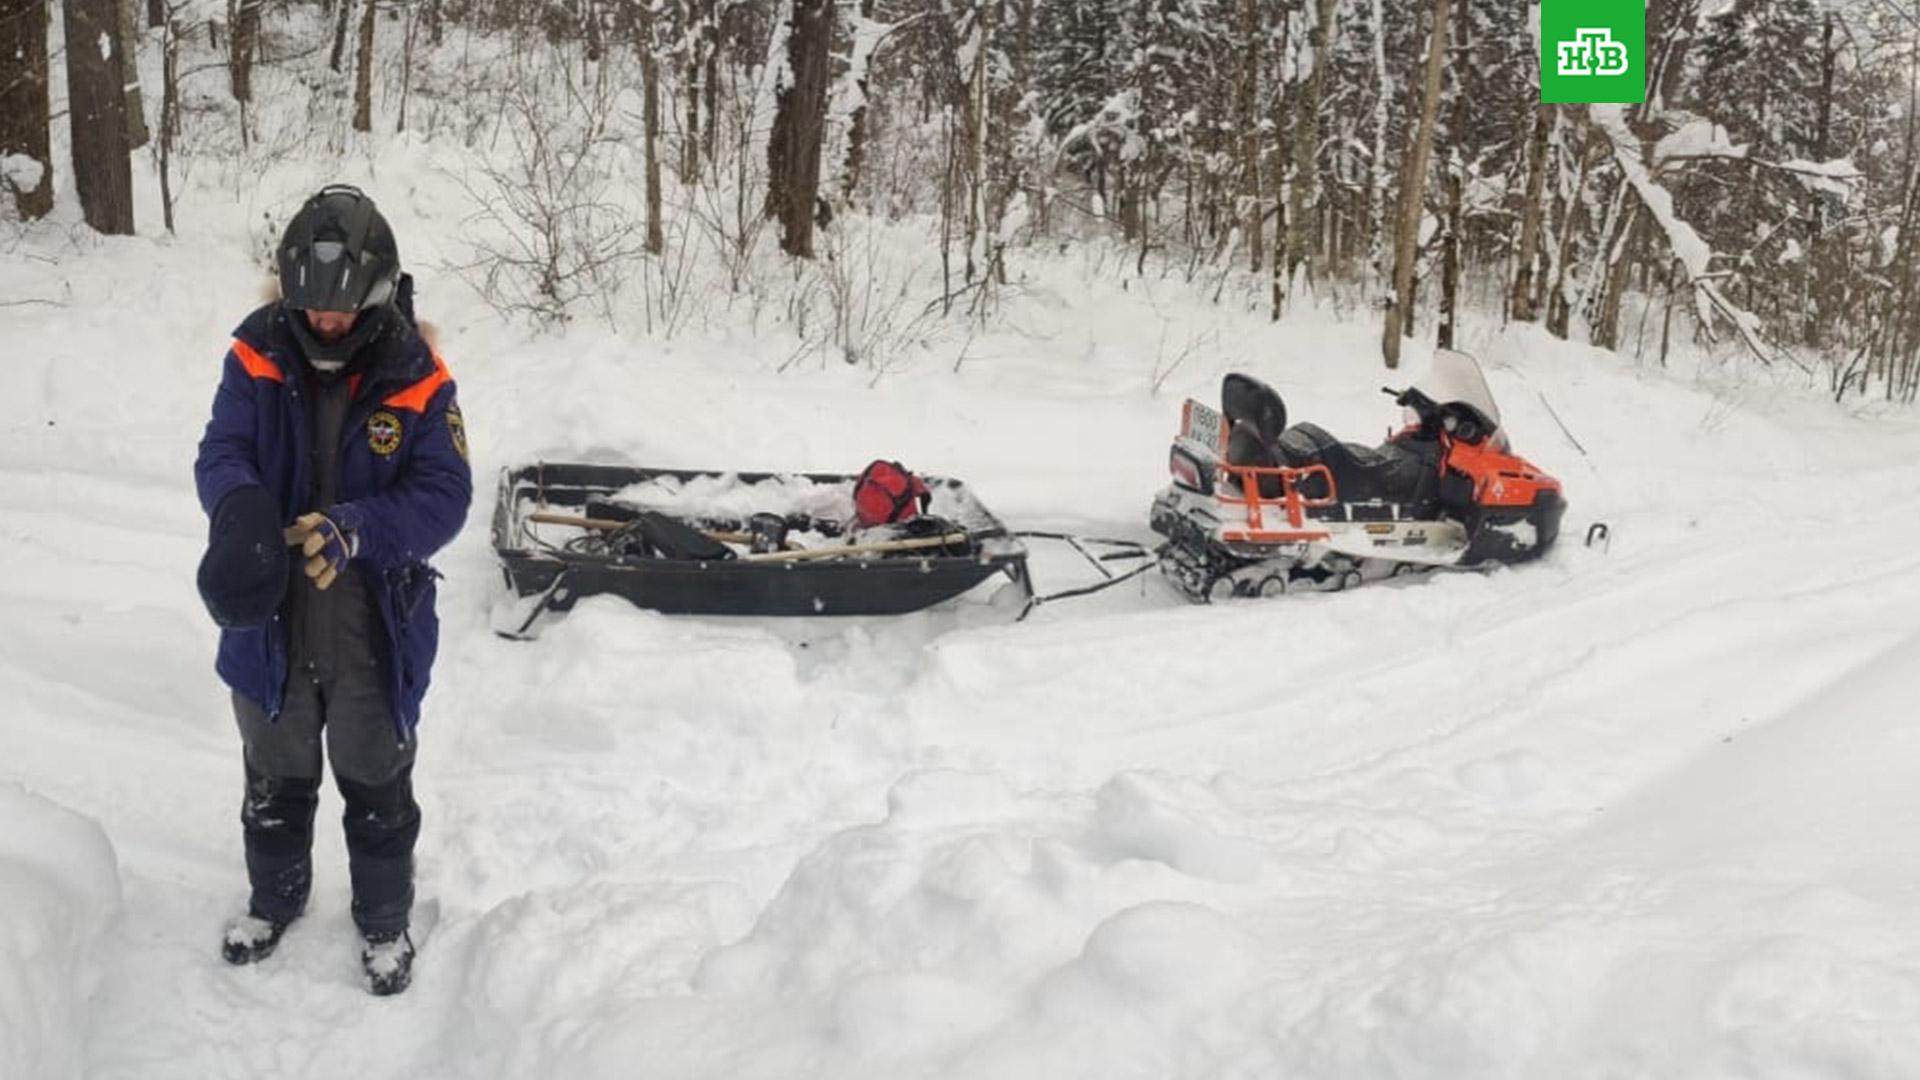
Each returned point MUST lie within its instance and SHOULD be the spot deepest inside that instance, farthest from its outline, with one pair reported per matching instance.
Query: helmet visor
(325, 275)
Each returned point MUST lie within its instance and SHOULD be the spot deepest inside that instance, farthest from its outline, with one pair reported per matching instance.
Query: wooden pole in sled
(880, 547)
(610, 525)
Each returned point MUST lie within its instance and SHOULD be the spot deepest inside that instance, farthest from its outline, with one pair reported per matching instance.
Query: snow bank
(59, 890)
(997, 930)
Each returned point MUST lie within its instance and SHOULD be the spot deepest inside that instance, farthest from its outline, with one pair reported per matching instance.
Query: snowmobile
(1260, 508)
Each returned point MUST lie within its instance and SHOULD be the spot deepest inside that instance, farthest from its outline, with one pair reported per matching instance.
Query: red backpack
(887, 492)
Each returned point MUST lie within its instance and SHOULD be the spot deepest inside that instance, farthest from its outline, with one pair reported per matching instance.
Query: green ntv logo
(1593, 50)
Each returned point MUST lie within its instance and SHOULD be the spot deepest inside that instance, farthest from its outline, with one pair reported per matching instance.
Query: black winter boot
(251, 939)
(387, 959)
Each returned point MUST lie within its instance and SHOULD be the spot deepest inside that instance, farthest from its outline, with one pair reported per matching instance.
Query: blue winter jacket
(404, 488)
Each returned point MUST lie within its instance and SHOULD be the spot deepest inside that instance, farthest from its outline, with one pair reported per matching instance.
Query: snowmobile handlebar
(1423, 406)
(1456, 418)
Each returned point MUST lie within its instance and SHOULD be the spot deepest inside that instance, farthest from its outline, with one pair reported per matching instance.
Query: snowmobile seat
(1243, 397)
(1246, 445)
(1360, 473)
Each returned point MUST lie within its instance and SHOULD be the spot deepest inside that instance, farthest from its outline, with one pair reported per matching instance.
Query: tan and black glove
(326, 547)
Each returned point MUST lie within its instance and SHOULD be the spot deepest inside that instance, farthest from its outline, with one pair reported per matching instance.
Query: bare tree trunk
(406, 64)
(1276, 277)
(1623, 252)
(169, 115)
(1334, 223)
(1666, 317)
(1671, 30)
(1306, 138)
(1523, 307)
(1018, 168)
(697, 13)
(156, 15)
(978, 117)
(1247, 116)
(1899, 314)
(243, 30)
(1413, 192)
(363, 72)
(946, 212)
(856, 159)
(137, 133)
(793, 151)
(1559, 312)
(24, 107)
(97, 116)
(712, 88)
(1135, 176)
(1376, 219)
(590, 35)
(1813, 295)
(1456, 182)
(1450, 259)
(650, 74)
(344, 13)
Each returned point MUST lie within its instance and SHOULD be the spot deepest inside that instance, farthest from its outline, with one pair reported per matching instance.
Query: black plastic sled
(696, 542)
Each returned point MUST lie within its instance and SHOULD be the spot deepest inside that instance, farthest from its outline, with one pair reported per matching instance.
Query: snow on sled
(1260, 508)
(693, 542)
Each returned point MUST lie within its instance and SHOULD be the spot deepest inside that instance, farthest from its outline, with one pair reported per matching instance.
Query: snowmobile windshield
(1455, 376)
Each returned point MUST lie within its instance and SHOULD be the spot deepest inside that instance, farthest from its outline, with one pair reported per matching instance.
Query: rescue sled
(1260, 508)
(727, 543)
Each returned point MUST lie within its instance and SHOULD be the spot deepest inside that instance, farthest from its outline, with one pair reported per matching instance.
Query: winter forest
(1384, 156)
(1571, 738)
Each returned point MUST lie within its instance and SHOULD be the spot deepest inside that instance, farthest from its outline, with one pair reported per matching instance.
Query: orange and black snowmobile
(1260, 508)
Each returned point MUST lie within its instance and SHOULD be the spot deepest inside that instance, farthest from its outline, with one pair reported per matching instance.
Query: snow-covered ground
(1641, 812)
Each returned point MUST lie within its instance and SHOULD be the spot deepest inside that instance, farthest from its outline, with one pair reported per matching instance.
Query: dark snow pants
(373, 770)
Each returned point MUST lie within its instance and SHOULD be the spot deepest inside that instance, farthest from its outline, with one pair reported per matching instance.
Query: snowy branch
(1692, 252)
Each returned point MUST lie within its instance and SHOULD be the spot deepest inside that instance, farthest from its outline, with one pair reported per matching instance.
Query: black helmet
(338, 254)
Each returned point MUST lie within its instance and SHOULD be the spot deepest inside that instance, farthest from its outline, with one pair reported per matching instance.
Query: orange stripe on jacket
(254, 363)
(416, 397)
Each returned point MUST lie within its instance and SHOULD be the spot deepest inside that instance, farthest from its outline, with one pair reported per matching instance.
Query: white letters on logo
(1593, 52)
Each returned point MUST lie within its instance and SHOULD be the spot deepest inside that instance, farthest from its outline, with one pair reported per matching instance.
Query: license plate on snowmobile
(1204, 426)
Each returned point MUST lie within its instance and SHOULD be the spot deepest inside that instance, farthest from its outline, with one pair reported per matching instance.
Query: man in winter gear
(337, 422)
